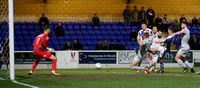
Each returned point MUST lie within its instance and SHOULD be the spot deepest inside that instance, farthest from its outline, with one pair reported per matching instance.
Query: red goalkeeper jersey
(40, 42)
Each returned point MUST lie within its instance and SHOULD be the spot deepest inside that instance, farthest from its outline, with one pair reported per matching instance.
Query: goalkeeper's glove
(50, 49)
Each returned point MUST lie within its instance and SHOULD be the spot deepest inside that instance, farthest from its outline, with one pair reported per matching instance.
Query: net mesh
(4, 55)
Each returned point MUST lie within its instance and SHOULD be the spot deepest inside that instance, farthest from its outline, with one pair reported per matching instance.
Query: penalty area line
(14, 81)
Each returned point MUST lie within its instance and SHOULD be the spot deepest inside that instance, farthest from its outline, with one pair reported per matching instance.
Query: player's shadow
(19, 77)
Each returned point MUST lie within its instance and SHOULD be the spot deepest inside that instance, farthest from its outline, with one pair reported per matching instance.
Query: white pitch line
(2, 79)
(14, 81)
(160, 74)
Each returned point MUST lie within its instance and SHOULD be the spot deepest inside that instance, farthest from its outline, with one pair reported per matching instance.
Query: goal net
(6, 39)
(4, 59)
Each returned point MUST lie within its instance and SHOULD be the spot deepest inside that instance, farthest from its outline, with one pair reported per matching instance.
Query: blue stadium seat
(83, 23)
(61, 42)
(89, 27)
(19, 37)
(17, 27)
(100, 37)
(116, 32)
(37, 27)
(69, 23)
(24, 27)
(83, 27)
(31, 27)
(33, 37)
(28, 43)
(29, 48)
(54, 38)
(85, 48)
(49, 43)
(76, 23)
(102, 27)
(25, 32)
(106, 37)
(108, 27)
(84, 32)
(64, 27)
(61, 38)
(113, 37)
(51, 23)
(114, 27)
(26, 37)
(119, 37)
(66, 37)
(110, 32)
(15, 42)
(114, 23)
(80, 37)
(21, 42)
(122, 32)
(70, 27)
(104, 32)
(51, 27)
(96, 28)
(55, 42)
(86, 37)
(17, 48)
(73, 37)
(93, 37)
(97, 32)
(22, 48)
(77, 32)
(18, 32)
(71, 32)
(91, 32)
(76, 27)
(121, 23)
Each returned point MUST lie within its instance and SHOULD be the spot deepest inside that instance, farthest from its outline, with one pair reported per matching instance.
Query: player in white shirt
(158, 50)
(183, 51)
(142, 54)
(140, 35)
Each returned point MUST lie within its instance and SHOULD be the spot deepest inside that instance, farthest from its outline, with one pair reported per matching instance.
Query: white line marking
(24, 84)
(2, 79)
(160, 74)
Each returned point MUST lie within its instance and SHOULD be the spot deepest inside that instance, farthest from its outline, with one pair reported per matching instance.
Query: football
(98, 66)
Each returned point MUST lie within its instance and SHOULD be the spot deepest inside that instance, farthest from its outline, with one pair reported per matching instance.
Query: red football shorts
(42, 54)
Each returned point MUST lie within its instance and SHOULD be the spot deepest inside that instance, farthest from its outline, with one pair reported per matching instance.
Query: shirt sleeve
(184, 30)
(44, 42)
(144, 42)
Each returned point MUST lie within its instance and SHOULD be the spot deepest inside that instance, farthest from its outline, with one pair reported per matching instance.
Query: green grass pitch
(105, 78)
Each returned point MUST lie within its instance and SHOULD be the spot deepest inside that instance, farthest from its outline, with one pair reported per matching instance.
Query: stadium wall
(107, 10)
(109, 59)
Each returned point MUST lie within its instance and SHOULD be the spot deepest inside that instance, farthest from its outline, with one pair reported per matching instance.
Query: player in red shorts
(40, 51)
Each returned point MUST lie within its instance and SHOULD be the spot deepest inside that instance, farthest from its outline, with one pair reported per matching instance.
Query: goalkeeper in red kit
(40, 51)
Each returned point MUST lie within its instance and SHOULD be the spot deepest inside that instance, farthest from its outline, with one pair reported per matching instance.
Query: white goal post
(11, 38)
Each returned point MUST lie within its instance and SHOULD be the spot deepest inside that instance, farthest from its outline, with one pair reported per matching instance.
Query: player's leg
(7, 62)
(161, 65)
(180, 62)
(1, 61)
(34, 64)
(182, 53)
(134, 66)
(54, 61)
(187, 64)
(154, 61)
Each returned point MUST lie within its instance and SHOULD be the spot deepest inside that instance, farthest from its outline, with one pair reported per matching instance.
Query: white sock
(188, 64)
(52, 71)
(180, 62)
(30, 72)
(138, 68)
